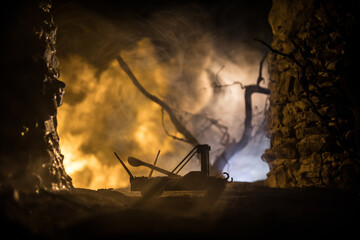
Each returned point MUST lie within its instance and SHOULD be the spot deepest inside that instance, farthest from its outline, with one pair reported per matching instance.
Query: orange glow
(101, 121)
(103, 113)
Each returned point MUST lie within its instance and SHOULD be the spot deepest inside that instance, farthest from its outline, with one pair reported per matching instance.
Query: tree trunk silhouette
(230, 148)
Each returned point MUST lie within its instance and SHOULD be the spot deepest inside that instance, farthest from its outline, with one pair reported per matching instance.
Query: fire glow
(105, 112)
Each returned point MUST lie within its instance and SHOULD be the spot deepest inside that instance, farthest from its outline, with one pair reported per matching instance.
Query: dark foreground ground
(243, 210)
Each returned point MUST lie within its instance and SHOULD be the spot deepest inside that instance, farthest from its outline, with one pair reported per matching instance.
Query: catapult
(192, 181)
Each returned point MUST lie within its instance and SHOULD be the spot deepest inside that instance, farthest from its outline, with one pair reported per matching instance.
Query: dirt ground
(245, 210)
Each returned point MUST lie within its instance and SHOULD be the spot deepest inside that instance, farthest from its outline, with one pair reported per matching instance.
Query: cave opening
(197, 57)
(142, 76)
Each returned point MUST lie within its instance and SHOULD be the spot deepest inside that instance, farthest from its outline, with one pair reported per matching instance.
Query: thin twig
(167, 132)
(280, 53)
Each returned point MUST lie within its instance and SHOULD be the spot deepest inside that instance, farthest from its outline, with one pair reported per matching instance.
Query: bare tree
(230, 148)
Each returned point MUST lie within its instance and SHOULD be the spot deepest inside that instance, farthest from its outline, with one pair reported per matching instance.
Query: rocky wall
(313, 116)
(30, 156)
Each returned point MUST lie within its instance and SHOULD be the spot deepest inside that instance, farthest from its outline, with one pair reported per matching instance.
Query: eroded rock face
(313, 117)
(31, 92)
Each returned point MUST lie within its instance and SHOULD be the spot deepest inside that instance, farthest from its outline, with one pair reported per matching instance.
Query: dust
(177, 55)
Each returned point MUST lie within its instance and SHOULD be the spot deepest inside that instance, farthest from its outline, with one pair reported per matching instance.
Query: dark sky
(225, 16)
(229, 22)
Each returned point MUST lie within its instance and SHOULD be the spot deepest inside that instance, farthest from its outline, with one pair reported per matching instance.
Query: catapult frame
(194, 180)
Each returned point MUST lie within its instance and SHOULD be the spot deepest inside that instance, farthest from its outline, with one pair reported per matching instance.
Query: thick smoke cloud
(177, 50)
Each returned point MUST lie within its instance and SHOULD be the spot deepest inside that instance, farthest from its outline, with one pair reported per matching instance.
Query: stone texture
(31, 92)
(311, 110)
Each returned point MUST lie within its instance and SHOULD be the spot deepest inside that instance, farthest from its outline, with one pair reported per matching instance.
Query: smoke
(176, 52)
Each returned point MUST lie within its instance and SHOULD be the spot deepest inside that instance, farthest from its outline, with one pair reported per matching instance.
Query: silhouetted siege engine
(194, 180)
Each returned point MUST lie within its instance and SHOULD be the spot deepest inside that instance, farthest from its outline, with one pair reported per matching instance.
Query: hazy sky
(177, 49)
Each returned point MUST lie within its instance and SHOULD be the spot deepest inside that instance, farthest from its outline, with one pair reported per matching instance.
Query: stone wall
(30, 156)
(313, 117)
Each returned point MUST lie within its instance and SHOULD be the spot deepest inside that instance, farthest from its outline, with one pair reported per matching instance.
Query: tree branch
(280, 53)
(231, 148)
(234, 147)
(167, 132)
(178, 125)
